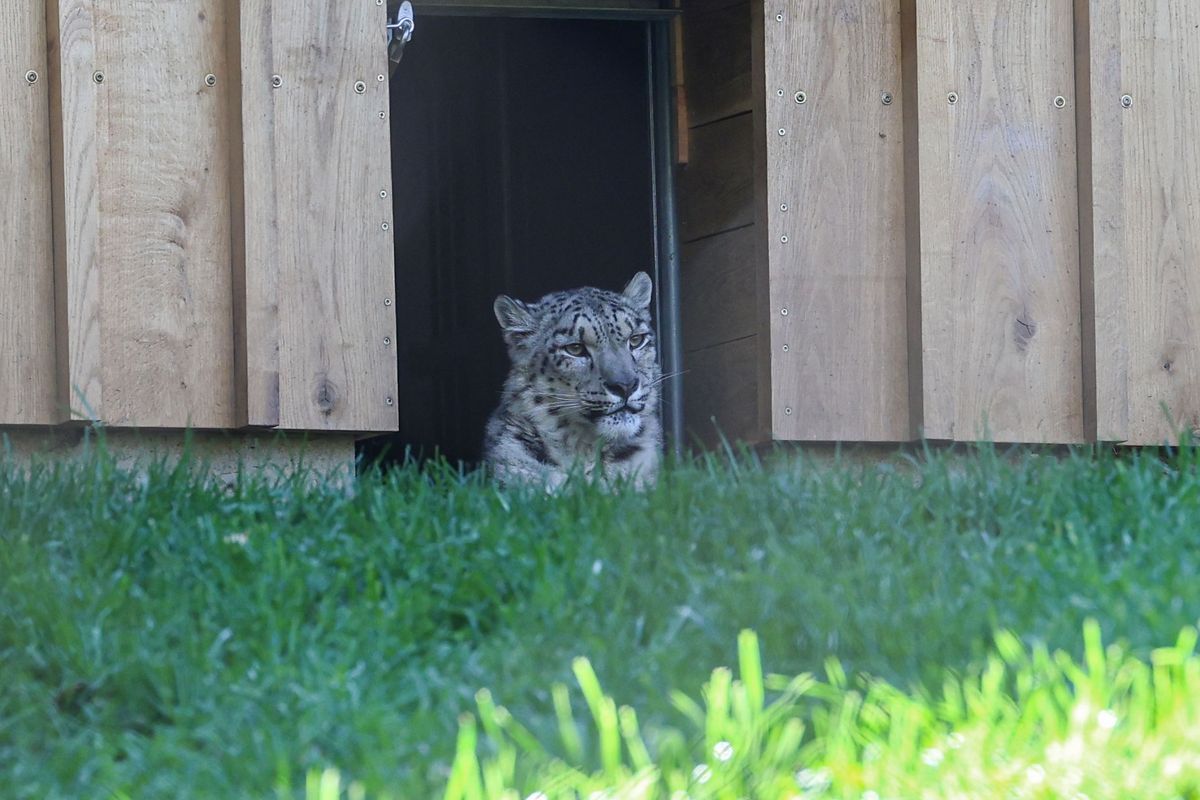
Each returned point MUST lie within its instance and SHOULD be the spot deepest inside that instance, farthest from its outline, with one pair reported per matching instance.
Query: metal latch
(400, 28)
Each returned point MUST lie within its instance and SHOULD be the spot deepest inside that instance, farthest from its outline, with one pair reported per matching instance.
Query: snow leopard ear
(638, 290)
(516, 318)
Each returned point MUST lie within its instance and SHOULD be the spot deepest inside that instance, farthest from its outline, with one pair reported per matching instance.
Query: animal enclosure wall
(970, 221)
(217, 252)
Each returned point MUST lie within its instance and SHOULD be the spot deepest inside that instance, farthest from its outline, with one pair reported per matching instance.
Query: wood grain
(145, 212)
(716, 188)
(838, 270)
(718, 292)
(999, 222)
(1145, 183)
(28, 379)
(722, 396)
(717, 53)
(319, 282)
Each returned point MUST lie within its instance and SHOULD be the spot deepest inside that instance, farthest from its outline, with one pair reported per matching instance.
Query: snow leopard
(582, 393)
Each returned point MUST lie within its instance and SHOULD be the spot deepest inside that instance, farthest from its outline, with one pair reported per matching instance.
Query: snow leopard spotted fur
(582, 393)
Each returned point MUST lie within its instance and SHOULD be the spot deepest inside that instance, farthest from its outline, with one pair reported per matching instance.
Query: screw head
(952, 98)
(779, 17)
(98, 76)
(277, 81)
(210, 80)
(779, 92)
(387, 341)
(383, 115)
(786, 348)
(31, 77)
(383, 193)
(1127, 101)
(783, 312)
(783, 131)
(388, 401)
(387, 302)
(381, 77)
(886, 98)
(788, 411)
(386, 226)
(801, 97)
(1060, 102)
(783, 206)
(359, 87)
(783, 239)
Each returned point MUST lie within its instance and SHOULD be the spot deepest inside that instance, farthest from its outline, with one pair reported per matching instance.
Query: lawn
(161, 636)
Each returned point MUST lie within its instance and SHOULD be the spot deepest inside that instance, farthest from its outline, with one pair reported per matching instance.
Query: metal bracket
(400, 27)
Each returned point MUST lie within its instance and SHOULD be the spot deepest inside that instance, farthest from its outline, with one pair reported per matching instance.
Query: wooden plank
(143, 149)
(999, 222)
(718, 292)
(717, 53)
(722, 398)
(28, 391)
(716, 188)
(319, 283)
(1145, 183)
(836, 223)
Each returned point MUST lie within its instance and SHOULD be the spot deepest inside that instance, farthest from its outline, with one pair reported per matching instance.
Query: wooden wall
(196, 232)
(721, 260)
(973, 221)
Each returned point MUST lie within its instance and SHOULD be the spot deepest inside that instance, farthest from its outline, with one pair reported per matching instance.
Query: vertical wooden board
(835, 217)
(722, 402)
(28, 379)
(999, 221)
(142, 152)
(319, 284)
(1146, 217)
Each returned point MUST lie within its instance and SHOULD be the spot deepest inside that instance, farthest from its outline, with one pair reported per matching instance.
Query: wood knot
(1023, 331)
(325, 396)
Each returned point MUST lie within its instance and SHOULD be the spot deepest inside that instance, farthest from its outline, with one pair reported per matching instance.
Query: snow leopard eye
(575, 349)
(637, 341)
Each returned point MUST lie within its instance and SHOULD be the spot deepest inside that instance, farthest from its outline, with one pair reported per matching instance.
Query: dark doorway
(523, 163)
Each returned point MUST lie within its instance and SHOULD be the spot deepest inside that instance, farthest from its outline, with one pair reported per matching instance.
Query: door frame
(662, 115)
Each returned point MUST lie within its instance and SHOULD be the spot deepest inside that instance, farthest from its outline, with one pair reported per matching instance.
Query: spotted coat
(582, 393)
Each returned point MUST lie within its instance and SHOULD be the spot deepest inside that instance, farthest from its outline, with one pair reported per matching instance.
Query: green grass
(164, 637)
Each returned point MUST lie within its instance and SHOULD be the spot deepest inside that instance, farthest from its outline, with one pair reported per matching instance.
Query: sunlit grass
(164, 636)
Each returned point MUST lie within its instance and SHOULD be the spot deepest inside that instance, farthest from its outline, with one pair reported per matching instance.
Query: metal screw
(952, 98)
(783, 131)
(387, 301)
(387, 341)
(98, 76)
(378, 2)
(210, 79)
(1127, 101)
(801, 98)
(1060, 102)
(779, 17)
(786, 348)
(383, 115)
(783, 239)
(788, 411)
(886, 98)
(783, 312)
(783, 206)
(389, 402)
(277, 81)
(386, 227)
(359, 87)
(381, 77)
(383, 193)
(31, 77)
(779, 92)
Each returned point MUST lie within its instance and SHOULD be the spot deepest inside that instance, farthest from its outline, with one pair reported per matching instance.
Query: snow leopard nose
(622, 389)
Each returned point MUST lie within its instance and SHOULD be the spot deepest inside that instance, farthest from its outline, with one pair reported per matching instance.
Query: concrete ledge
(224, 454)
